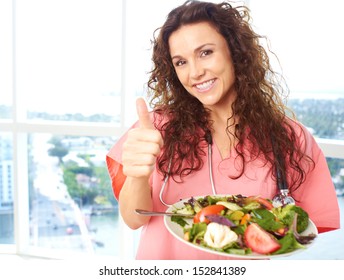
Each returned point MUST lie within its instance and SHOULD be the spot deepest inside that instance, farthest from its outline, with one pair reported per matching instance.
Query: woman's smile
(205, 86)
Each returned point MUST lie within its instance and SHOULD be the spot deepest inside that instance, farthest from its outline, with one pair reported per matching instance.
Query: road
(55, 219)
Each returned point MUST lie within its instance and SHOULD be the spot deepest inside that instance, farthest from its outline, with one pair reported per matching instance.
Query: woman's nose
(196, 70)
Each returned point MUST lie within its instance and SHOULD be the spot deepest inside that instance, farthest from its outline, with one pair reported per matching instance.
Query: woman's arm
(135, 194)
(140, 150)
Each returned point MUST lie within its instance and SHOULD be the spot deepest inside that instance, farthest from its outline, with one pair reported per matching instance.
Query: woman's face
(203, 64)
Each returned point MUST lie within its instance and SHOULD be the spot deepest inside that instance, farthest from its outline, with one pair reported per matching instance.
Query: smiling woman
(216, 102)
(74, 68)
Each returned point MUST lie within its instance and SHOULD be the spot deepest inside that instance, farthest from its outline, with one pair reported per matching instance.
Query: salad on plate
(240, 225)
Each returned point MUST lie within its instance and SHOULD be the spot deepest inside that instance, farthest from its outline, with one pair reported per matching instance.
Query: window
(71, 201)
(61, 112)
(68, 60)
(305, 38)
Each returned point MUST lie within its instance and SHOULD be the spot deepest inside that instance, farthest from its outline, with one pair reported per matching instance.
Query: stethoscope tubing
(211, 177)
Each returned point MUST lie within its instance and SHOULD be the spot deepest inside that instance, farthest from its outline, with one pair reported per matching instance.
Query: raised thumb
(143, 114)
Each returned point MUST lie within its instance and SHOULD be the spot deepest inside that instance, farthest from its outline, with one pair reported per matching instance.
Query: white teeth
(205, 85)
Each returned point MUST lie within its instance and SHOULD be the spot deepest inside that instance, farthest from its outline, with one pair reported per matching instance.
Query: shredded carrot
(245, 219)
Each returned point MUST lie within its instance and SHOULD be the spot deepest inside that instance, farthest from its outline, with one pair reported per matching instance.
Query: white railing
(332, 148)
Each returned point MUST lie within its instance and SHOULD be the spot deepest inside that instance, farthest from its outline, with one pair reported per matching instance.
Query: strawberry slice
(259, 240)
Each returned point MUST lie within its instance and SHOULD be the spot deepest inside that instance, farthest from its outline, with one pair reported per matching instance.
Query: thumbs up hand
(143, 114)
(143, 145)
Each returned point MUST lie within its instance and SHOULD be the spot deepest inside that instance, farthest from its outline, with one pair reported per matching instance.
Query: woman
(212, 87)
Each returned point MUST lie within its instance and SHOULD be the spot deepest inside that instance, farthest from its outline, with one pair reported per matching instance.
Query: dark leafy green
(266, 219)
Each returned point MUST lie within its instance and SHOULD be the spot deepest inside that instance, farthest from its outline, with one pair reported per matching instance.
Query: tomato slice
(259, 240)
(208, 210)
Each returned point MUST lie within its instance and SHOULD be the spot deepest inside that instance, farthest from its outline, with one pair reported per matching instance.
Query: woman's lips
(205, 86)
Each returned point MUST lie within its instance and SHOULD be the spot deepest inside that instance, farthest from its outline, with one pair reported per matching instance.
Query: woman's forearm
(135, 194)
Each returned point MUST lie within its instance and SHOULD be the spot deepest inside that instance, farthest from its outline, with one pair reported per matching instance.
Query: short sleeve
(317, 194)
(115, 170)
(114, 165)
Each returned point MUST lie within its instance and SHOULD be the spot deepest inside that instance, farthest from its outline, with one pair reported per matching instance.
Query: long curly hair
(263, 129)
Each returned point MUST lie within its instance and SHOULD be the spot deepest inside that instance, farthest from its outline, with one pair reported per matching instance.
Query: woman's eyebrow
(203, 46)
(177, 56)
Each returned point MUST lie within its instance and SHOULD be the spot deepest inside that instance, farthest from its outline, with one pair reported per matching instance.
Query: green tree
(104, 184)
(74, 189)
(58, 150)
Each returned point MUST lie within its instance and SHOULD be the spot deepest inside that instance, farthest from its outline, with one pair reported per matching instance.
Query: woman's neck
(223, 124)
(223, 132)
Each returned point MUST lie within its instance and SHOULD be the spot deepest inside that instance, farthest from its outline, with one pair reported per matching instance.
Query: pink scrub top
(316, 195)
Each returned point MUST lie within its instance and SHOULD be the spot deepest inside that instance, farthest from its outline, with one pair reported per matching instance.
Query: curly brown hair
(262, 115)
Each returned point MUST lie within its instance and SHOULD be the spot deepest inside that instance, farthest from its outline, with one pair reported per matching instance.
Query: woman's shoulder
(302, 132)
(298, 127)
(305, 138)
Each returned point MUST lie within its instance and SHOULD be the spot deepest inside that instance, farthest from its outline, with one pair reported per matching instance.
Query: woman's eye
(206, 52)
(179, 63)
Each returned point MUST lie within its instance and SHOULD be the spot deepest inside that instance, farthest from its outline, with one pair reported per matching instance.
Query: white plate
(177, 231)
